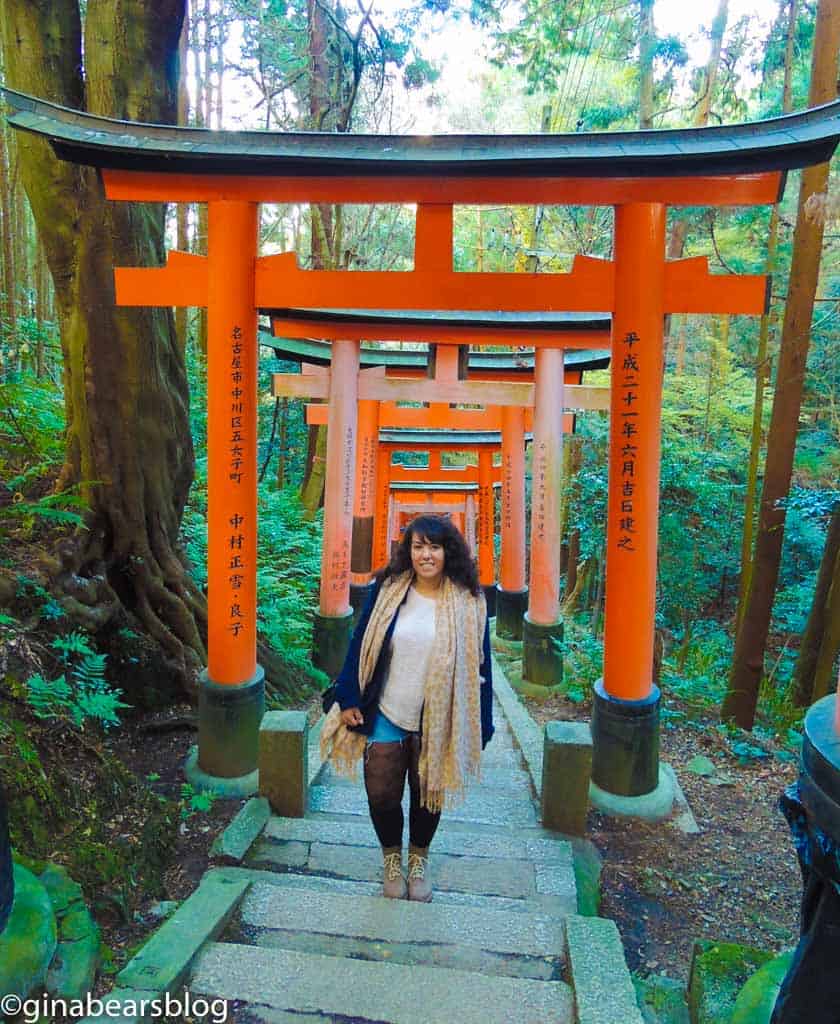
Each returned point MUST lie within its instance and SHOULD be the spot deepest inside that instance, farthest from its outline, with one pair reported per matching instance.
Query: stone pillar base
(542, 656)
(330, 640)
(490, 597)
(625, 743)
(511, 606)
(658, 805)
(229, 718)
(239, 786)
(359, 594)
(284, 762)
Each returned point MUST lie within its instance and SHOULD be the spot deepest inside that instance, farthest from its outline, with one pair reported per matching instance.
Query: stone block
(232, 845)
(602, 985)
(162, 965)
(661, 1000)
(566, 773)
(719, 970)
(283, 762)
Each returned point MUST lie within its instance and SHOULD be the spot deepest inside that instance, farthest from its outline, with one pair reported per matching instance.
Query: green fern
(71, 643)
(49, 698)
(81, 694)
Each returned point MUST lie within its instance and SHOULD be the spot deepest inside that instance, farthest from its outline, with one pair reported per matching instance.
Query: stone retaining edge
(526, 732)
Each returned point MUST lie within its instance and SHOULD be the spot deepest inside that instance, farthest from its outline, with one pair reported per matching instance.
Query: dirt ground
(736, 881)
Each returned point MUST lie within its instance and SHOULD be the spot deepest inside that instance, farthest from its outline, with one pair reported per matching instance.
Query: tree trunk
(21, 221)
(817, 626)
(129, 448)
(679, 369)
(202, 120)
(320, 233)
(748, 663)
(312, 489)
(824, 671)
(7, 310)
(762, 365)
(284, 440)
(647, 45)
(572, 561)
(42, 301)
(182, 243)
(703, 101)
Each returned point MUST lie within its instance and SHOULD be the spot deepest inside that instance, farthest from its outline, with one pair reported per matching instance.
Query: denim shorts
(384, 730)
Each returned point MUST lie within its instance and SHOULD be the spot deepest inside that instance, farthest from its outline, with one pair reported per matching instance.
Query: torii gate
(373, 469)
(436, 480)
(638, 173)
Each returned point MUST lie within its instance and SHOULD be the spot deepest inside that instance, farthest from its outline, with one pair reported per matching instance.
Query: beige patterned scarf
(451, 748)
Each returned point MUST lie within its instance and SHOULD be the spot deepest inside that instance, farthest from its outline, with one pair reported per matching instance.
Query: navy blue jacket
(348, 692)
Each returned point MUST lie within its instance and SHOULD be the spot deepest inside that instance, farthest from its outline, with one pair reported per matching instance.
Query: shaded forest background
(102, 426)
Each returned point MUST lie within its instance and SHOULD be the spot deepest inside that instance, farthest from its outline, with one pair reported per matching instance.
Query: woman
(414, 696)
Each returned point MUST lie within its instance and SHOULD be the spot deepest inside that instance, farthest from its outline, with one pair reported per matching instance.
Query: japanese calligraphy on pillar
(339, 564)
(366, 475)
(540, 474)
(236, 463)
(485, 514)
(507, 492)
(629, 439)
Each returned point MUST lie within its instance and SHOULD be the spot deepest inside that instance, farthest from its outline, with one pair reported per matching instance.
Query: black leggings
(386, 766)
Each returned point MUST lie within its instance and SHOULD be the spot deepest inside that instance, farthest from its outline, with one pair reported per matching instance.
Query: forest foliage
(321, 64)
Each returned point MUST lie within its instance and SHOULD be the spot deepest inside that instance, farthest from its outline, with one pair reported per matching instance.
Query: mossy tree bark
(762, 363)
(748, 663)
(129, 448)
(812, 675)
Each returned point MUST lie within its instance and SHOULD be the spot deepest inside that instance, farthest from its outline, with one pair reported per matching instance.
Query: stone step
(557, 906)
(480, 807)
(476, 843)
(526, 945)
(501, 778)
(448, 824)
(483, 876)
(365, 991)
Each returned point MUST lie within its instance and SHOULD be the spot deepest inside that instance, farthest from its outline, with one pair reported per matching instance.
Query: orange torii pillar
(361, 551)
(232, 689)
(486, 528)
(469, 530)
(625, 717)
(333, 622)
(512, 592)
(542, 631)
(381, 512)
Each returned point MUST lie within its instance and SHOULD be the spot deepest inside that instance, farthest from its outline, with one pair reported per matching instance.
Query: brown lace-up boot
(419, 876)
(393, 880)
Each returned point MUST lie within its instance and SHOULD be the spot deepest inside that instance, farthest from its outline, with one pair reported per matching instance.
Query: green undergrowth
(72, 802)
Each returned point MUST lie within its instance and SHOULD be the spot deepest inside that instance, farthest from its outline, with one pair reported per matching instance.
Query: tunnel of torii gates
(386, 496)
(640, 174)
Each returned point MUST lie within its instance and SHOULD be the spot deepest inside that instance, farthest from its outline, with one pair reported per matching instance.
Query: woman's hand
(352, 716)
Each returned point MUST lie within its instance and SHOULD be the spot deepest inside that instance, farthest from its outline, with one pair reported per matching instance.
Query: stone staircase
(300, 934)
(314, 940)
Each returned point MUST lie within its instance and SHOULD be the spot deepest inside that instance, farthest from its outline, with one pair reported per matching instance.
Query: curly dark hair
(458, 564)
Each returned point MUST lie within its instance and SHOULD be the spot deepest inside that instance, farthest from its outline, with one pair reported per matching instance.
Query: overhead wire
(561, 101)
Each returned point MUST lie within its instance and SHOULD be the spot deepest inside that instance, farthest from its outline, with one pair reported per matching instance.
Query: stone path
(302, 935)
(313, 938)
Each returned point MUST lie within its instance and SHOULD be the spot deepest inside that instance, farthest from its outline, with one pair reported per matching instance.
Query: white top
(411, 648)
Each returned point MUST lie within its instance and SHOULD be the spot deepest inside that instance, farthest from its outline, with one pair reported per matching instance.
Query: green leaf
(701, 765)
